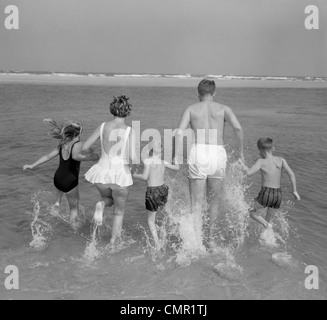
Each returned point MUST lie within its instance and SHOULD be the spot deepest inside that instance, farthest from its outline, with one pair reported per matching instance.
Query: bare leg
(120, 198)
(59, 195)
(270, 214)
(153, 229)
(55, 208)
(214, 191)
(255, 215)
(197, 190)
(106, 194)
(73, 201)
(106, 201)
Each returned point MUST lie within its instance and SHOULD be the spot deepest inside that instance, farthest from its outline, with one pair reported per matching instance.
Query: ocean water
(56, 263)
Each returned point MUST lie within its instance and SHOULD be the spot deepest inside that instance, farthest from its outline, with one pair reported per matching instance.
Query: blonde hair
(66, 132)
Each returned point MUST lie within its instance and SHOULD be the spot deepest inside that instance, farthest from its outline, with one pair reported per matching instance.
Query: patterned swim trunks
(270, 197)
(156, 197)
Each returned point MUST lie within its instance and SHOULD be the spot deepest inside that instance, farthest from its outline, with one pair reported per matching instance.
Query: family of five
(113, 174)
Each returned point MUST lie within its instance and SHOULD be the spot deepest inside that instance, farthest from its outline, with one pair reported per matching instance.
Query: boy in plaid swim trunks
(271, 168)
(157, 192)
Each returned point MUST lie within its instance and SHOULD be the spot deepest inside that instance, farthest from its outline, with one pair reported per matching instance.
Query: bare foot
(269, 237)
(269, 226)
(98, 215)
(157, 246)
(76, 223)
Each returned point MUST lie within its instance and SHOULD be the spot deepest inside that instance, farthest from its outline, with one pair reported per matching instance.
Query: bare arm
(146, 172)
(291, 175)
(79, 156)
(91, 140)
(254, 169)
(185, 121)
(172, 166)
(231, 119)
(42, 160)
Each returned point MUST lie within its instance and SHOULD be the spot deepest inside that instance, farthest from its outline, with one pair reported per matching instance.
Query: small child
(157, 192)
(70, 155)
(271, 168)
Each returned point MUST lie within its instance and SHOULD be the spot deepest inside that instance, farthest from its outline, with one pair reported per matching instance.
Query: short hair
(265, 144)
(206, 87)
(120, 107)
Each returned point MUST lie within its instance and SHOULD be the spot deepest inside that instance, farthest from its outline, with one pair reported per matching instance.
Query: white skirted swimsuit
(111, 168)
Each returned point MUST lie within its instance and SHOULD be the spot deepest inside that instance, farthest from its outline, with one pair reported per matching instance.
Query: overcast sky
(243, 37)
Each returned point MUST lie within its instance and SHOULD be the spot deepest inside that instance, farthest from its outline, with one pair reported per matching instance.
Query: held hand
(134, 170)
(94, 157)
(177, 160)
(135, 174)
(296, 195)
(88, 151)
(27, 166)
(240, 155)
(242, 164)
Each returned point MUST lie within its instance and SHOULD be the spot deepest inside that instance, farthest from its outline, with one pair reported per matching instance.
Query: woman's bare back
(112, 134)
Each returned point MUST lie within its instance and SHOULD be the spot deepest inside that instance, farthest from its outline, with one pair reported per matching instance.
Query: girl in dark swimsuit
(70, 154)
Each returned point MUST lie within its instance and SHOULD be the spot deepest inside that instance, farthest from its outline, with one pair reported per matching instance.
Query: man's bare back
(207, 119)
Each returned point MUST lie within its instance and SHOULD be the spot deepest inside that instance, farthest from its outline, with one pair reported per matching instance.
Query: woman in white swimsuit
(111, 175)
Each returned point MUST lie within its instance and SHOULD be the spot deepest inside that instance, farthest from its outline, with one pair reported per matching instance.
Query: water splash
(122, 243)
(94, 250)
(227, 267)
(91, 252)
(45, 216)
(284, 260)
(162, 227)
(40, 227)
(186, 236)
(282, 229)
(269, 238)
(281, 223)
(234, 209)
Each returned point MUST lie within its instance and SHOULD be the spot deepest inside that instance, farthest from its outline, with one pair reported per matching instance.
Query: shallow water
(56, 263)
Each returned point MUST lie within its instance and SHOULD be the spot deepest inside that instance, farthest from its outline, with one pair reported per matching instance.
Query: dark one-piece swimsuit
(66, 176)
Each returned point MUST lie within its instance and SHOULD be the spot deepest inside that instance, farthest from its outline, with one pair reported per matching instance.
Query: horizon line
(157, 74)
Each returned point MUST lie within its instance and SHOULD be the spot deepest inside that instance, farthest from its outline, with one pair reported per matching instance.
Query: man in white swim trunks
(207, 157)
